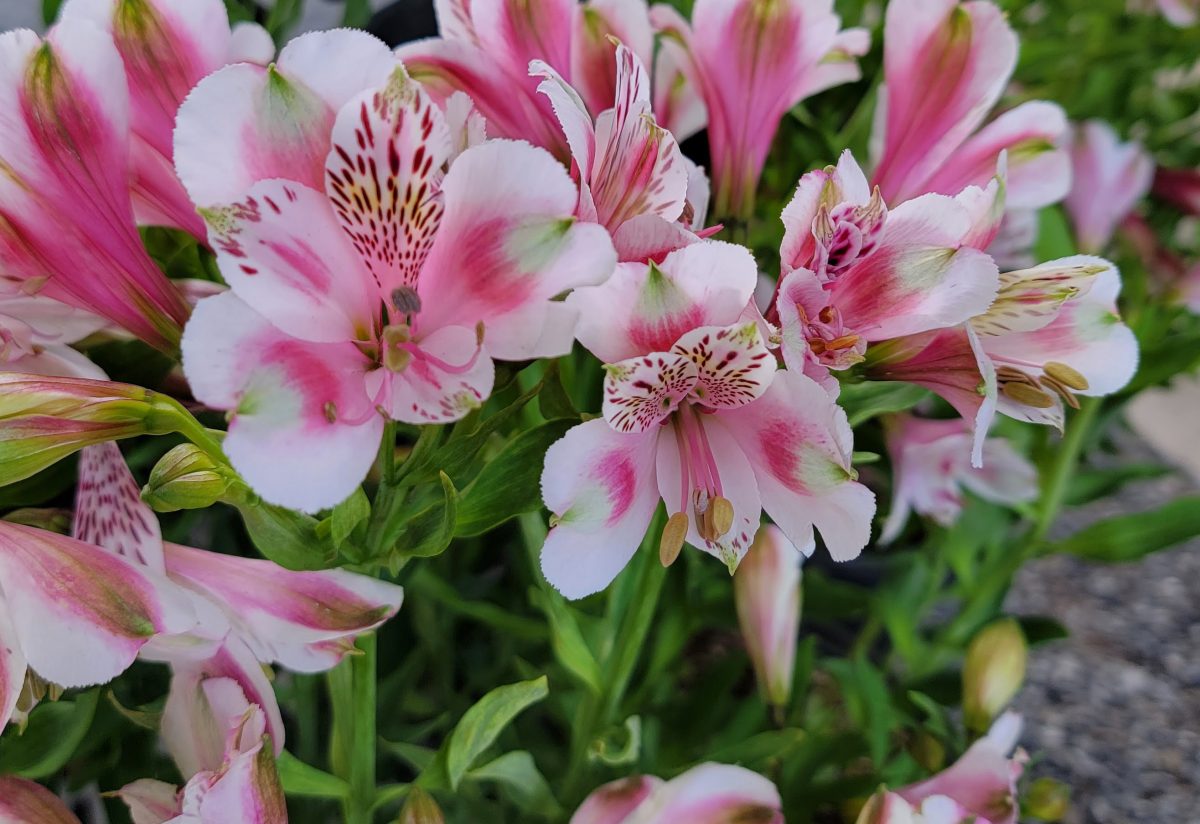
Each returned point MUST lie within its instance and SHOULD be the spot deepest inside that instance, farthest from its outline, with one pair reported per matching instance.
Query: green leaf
(757, 750)
(553, 400)
(50, 11)
(1054, 238)
(870, 399)
(347, 515)
(1090, 485)
(619, 746)
(54, 732)
(483, 722)
(1040, 629)
(517, 773)
(509, 484)
(288, 538)
(429, 532)
(283, 17)
(1131, 537)
(357, 14)
(302, 779)
(570, 648)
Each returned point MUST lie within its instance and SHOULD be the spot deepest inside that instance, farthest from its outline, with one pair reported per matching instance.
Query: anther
(406, 300)
(673, 536)
(1066, 375)
(1028, 395)
(330, 410)
(721, 512)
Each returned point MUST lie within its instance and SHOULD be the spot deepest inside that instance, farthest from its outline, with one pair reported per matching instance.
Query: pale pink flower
(367, 278)
(75, 614)
(167, 48)
(486, 47)
(67, 226)
(36, 333)
(694, 415)
(766, 592)
(23, 801)
(1189, 288)
(857, 272)
(751, 61)
(1182, 13)
(931, 466)
(1110, 179)
(706, 794)
(946, 65)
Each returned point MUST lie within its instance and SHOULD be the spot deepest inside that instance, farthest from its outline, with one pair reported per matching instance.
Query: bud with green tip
(766, 591)
(420, 808)
(993, 672)
(1047, 800)
(187, 477)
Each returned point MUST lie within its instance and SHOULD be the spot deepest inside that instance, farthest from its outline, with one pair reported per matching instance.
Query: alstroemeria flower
(243, 787)
(67, 225)
(889, 808)
(389, 284)
(1110, 178)
(486, 47)
(706, 794)
(983, 782)
(931, 464)
(766, 591)
(1054, 332)
(167, 47)
(1180, 187)
(75, 614)
(36, 333)
(694, 415)
(1181, 13)
(946, 65)
(251, 612)
(751, 61)
(628, 165)
(23, 802)
(856, 271)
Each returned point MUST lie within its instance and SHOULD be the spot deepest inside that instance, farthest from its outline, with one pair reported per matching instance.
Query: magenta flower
(1110, 179)
(694, 415)
(946, 65)
(931, 463)
(67, 225)
(751, 61)
(368, 278)
(167, 48)
(706, 794)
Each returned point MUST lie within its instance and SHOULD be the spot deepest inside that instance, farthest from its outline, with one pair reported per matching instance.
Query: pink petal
(304, 432)
(24, 802)
(982, 781)
(506, 247)
(67, 227)
(799, 443)
(613, 802)
(1039, 168)
(454, 20)
(383, 177)
(12, 667)
(733, 364)
(244, 123)
(283, 252)
(109, 511)
(593, 67)
(81, 614)
(150, 801)
(1110, 178)
(1031, 299)
(919, 278)
(640, 393)
(450, 375)
(678, 105)
(945, 66)
(650, 238)
(643, 309)
(514, 32)
(284, 616)
(712, 794)
(600, 486)
(766, 592)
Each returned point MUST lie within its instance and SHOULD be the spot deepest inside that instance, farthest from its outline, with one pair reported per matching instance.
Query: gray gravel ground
(1114, 710)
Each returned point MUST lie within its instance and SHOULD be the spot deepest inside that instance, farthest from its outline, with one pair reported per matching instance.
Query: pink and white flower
(1181, 13)
(694, 415)
(931, 464)
(766, 592)
(857, 272)
(167, 48)
(706, 794)
(23, 801)
(1110, 178)
(363, 277)
(751, 61)
(75, 614)
(36, 334)
(67, 226)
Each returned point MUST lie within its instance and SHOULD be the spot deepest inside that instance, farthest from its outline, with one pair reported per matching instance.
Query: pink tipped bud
(767, 593)
(993, 672)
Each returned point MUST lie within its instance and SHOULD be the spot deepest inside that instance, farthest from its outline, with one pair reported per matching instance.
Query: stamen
(1028, 395)
(1063, 391)
(1066, 375)
(720, 511)
(673, 536)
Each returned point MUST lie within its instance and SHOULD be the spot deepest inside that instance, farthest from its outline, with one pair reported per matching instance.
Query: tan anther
(844, 342)
(826, 315)
(673, 536)
(817, 346)
(1066, 376)
(721, 513)
(330, 410)
(1028, 395)
(1062, 391)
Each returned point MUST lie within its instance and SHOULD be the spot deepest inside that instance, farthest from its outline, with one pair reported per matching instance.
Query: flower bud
(1047, 799)
(185, 478)
(767, 594)
(420, 808)
(993, 671)
(51, 520)
(45, 419)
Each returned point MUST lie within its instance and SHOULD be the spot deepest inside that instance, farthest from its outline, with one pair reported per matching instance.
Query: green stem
(1066, 459)
(352, 692)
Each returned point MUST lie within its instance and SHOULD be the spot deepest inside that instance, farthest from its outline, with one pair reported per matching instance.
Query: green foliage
(1130, 537)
